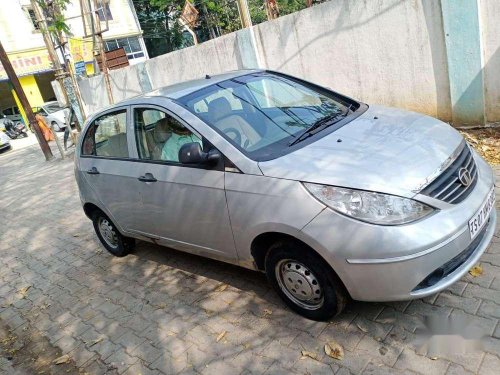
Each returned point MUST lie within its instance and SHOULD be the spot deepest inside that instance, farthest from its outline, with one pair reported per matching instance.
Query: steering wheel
(234, 134)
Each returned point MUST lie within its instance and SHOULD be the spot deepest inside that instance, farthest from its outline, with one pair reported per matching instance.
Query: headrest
(162, 130)
(219, 108)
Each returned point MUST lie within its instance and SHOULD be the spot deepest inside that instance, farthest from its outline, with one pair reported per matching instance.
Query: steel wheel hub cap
(108, 232)
(299, 284)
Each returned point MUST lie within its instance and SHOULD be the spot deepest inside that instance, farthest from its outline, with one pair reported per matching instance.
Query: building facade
(23, 41)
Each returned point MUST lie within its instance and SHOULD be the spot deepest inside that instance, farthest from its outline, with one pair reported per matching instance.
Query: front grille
(450, 266)
(447, 186)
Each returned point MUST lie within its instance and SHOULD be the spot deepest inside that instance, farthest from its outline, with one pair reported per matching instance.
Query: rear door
(184, 206)
(105, 162)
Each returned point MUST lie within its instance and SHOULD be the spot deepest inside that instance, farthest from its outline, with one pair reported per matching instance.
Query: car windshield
(262, 113)
(52, 107)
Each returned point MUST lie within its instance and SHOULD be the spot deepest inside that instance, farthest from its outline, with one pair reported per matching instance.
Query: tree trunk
(168, 39)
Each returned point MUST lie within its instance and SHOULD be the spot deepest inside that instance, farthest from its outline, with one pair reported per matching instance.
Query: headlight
(376, 208)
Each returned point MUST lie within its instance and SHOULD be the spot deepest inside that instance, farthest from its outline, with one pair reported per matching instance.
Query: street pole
(104, 61)
(60, 73)
(58, 69)
(244, 11)
(4, 59)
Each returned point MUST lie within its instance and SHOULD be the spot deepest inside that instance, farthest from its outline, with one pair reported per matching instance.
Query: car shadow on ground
(250, 281)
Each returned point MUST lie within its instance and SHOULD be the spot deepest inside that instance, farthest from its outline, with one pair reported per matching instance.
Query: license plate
(479, 220)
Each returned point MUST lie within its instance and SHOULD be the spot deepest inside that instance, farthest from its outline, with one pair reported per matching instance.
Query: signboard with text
(28, 62)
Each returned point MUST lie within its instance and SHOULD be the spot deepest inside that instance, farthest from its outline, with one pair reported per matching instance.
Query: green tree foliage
(290, 6)
(222, 16)
(258, 9)
(159, 21)
(163, 32)
(53, 12)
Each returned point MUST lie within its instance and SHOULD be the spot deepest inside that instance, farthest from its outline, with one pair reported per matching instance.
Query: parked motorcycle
(14, 131)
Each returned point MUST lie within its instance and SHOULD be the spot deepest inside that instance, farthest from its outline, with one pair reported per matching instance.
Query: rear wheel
(110, 237)
(304, 281)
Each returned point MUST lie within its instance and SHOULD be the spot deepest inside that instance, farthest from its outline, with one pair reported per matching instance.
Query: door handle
(93, 170)
(148, 177)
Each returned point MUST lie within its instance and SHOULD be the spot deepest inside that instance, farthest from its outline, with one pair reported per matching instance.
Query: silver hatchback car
(330, 197)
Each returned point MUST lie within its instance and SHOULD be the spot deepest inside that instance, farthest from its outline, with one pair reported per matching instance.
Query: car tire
(305, 281)
(116, 243)
(56, 126)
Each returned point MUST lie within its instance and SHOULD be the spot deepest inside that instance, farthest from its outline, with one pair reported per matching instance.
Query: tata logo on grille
(464, 177)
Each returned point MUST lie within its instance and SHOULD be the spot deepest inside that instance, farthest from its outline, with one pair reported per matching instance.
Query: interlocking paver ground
(159, 311)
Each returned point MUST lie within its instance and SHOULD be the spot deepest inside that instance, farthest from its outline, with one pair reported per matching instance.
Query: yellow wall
(89, 68)
(20, 107)
(30, 87)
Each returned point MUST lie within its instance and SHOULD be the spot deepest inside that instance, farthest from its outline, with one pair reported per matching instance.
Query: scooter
(15, 130)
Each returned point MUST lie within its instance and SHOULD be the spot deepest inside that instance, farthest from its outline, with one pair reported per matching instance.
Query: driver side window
(159, 136)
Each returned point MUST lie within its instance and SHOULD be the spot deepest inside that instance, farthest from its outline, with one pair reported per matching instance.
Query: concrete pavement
(159, 311)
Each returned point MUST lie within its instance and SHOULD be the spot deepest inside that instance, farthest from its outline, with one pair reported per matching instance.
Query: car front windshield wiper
(320, 124)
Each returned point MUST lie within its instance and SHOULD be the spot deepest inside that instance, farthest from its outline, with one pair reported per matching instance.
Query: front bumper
(378, 263)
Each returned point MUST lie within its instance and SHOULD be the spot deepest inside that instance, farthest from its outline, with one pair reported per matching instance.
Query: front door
(184, 207)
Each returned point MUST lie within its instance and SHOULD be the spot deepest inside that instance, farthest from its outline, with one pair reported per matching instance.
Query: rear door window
(107, 136)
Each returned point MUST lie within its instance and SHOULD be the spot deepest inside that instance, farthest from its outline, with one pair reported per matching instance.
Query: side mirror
(191, 153)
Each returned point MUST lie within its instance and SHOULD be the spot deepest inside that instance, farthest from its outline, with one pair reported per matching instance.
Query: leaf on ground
(89, 315)
(221, 288)
(486, 141)
(95, 342)
(383, 350)
(76, 235)
(221, 336)
(334, 350)
(361, 328)
(477, 270)
(61, 360)
(23, 291)
(267, 312)
(306, 354)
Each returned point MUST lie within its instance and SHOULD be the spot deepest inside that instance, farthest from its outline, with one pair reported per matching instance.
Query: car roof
(178, 90)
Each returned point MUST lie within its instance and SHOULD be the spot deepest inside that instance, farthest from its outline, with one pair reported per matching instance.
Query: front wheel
(110, 237)
(305, 281)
